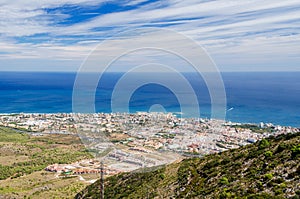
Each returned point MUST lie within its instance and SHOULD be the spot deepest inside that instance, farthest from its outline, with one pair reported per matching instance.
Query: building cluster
(46, 123)
(81, 167)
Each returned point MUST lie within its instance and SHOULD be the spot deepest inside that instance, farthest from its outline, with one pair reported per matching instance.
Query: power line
(101, 181)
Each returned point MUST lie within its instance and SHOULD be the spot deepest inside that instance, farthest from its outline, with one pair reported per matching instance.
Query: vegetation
(267, 169)
(255, 128)
(22, 156)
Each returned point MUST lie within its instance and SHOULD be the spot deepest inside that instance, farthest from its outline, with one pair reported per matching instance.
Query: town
(126, 142)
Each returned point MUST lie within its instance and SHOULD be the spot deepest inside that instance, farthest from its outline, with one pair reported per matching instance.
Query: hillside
(269, 168)
(23, 158)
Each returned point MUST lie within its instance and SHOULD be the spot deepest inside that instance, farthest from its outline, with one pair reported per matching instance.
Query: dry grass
(41, 184)
(11, 159)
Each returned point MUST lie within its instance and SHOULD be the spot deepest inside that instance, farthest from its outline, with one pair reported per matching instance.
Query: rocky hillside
(269, 168)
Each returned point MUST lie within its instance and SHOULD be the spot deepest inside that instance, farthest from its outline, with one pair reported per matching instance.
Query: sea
(251, 97)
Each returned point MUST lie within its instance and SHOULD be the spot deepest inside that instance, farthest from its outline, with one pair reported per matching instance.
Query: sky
(58, 35)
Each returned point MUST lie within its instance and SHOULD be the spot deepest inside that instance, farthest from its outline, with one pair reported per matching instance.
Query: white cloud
(245, 29)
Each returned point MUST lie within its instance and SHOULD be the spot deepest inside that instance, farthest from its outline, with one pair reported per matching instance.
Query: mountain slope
(269, 168)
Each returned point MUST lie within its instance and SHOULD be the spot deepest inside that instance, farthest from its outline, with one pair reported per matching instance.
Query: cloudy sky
(57, 35)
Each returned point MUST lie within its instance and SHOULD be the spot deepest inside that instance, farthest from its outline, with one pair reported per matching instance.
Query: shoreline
(173, 113)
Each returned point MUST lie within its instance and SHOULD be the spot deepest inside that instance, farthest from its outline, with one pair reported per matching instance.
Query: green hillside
(269, 168)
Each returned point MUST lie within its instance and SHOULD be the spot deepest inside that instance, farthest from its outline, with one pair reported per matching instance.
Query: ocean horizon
(252, 97)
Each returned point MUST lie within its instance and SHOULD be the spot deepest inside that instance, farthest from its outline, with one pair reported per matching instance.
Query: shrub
(162, 176)
(226, 160)
(224, 181)
(296, 150)
(268, 154)
(225, 194)
(268, 176)
(259, 183)
(281, 147)
(264, 144)
(283, 185)
(278, 191)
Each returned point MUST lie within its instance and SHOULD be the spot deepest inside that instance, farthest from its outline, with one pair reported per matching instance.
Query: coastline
(173, 113)
(255, 97)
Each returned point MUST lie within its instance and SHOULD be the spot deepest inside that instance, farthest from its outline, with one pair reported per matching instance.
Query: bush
(278, 191)
(281, 147)
(296, 150)
(162, 176)
(224, 181)
(264, 144)
(226, 160)
(268, 176)
(226, 194)
(268, 154)
(259, 183)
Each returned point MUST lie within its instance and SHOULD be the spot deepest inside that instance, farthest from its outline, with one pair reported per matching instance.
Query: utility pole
(101, 181)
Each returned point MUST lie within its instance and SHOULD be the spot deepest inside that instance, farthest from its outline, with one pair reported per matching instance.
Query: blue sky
(57, 35)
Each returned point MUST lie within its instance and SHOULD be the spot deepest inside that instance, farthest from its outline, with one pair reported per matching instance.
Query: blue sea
(252, 97)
